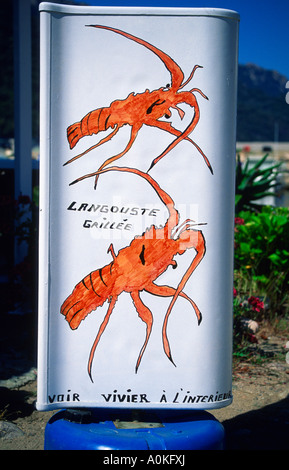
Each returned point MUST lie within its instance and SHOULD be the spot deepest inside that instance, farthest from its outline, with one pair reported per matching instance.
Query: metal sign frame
(137, 160)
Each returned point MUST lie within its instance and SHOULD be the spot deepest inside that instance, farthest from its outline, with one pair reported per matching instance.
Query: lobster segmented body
(141, 108)
(135, 268)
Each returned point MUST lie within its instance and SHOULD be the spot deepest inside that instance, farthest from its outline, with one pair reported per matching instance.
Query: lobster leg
(100, 331)
(146, 316)
(166, 126)
(189, 99)
(200, 248)
(134, 132)
(111, 250)
(102, 141)
(166, 291)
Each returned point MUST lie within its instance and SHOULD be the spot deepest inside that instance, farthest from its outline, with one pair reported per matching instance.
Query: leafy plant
(255, 182)
(262, 252)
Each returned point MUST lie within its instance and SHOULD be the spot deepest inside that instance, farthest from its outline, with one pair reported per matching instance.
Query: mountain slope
(262, 108)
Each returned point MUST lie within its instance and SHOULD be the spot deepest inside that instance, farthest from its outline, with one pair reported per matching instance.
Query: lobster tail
(95, 121)
(87, 295)
(86, 126)
(74, 134)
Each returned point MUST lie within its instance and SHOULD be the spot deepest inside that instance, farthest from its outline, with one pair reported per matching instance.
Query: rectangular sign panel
(137, 169)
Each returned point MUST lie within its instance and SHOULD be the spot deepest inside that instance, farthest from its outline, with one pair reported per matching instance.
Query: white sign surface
(137, 160)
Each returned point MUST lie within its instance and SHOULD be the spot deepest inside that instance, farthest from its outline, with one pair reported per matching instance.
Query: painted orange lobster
(134, 269)
(141, 108)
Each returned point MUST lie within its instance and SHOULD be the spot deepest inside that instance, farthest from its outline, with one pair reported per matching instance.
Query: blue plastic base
(133, 430)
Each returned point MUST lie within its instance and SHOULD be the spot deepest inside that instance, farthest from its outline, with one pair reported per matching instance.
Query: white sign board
(137, 169)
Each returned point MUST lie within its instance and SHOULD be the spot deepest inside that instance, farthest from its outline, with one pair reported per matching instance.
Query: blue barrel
(133, 430)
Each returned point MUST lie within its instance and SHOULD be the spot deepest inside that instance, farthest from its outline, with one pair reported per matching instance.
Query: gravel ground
(258, 418)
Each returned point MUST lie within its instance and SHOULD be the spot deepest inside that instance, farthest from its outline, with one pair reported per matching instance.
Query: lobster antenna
(186, 222)
(177, 75)
(201, 250)
(164, 197)
(199, 91)
(191, 76)
(186, 225)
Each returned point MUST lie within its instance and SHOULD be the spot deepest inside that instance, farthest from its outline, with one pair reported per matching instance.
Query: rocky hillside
(269, 82)
(263, 113)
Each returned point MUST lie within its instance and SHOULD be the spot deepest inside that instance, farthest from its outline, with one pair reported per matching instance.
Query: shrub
(262, 253)
(255, 182)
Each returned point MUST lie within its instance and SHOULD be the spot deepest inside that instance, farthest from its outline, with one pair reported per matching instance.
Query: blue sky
(264, 27)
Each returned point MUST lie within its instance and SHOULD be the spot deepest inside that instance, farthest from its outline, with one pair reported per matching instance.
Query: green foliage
(255, 182)
(262, 252)
(261, 255)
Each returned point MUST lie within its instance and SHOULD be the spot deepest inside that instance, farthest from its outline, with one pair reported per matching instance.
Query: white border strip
(147, 11)
(44, 198)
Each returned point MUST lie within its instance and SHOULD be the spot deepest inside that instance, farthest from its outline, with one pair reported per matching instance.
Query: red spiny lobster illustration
(134, 269)
(142, 108)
